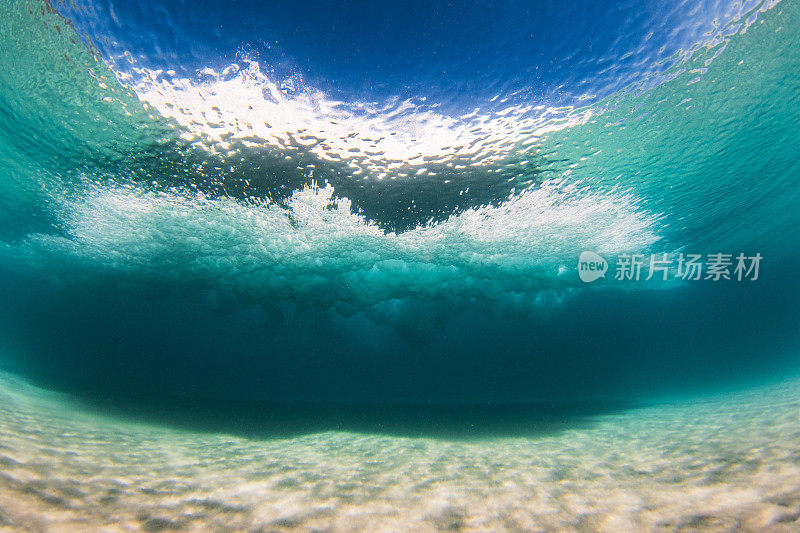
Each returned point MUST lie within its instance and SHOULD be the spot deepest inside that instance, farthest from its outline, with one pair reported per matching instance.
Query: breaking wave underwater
(187, 211)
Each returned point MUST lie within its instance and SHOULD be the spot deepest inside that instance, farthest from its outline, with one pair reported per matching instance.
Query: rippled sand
(720, 464)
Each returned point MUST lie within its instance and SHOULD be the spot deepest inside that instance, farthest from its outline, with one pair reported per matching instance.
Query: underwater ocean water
(400, 266)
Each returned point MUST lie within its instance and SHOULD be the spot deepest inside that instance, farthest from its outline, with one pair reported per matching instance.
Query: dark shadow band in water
(252, 419)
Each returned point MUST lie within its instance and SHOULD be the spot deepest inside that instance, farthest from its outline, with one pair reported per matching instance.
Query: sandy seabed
(724, 463)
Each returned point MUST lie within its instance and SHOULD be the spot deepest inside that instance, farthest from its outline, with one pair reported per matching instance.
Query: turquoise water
(291, 226)
(186, 254)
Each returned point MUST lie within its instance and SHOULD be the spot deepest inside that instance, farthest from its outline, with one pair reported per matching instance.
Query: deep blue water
(372, 203)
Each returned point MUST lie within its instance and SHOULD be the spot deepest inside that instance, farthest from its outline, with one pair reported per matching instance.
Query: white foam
(317, 249)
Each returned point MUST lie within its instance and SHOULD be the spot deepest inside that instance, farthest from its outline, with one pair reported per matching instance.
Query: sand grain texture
(723, 463)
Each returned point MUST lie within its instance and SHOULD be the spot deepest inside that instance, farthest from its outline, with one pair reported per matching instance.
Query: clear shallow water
(718, 463)
(368, 220)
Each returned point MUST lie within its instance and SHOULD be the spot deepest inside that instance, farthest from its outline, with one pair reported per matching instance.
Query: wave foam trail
(317, 249)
